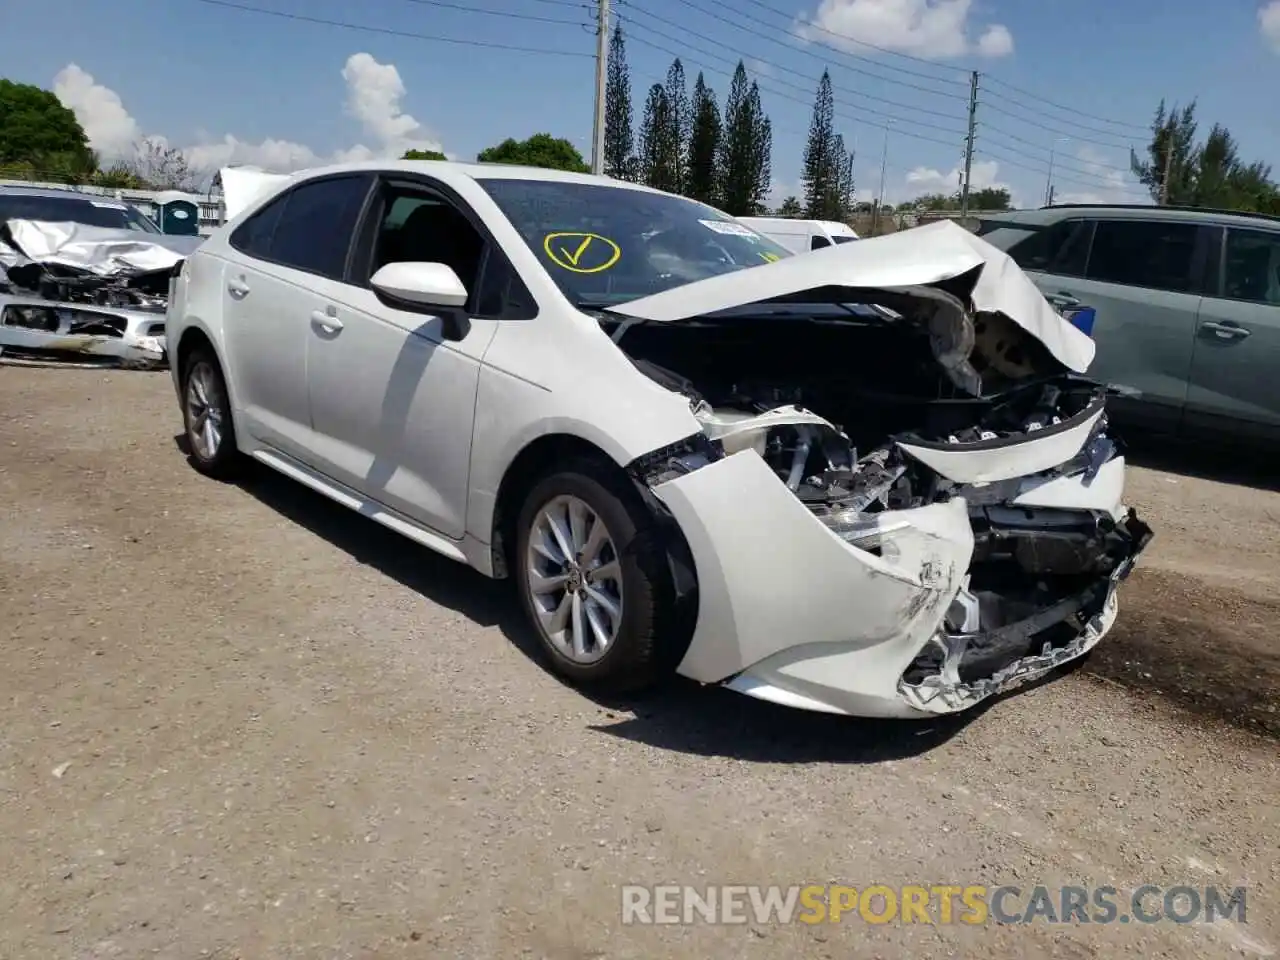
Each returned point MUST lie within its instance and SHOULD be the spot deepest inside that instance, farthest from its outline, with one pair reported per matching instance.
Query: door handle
(1226, 330)
(327, 320)
(237, 287)
(1068, 298)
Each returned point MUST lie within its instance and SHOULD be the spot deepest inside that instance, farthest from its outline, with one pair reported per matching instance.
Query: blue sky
(228, 83)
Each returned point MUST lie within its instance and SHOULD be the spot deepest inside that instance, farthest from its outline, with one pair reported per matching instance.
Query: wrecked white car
(83, 278)
(867, 480)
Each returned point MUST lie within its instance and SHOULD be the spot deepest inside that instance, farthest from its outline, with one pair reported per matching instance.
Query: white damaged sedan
(867, 480)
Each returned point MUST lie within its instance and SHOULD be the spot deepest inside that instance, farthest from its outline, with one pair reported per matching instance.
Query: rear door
(1235, 371)
(1144, 279)
(286, 257)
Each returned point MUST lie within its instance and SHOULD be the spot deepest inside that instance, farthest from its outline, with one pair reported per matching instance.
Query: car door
(1237, 345)
(283, 253)
(393, 390)
(1144, 279)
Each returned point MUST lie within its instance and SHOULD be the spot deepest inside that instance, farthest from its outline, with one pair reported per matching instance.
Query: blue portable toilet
(178, 214)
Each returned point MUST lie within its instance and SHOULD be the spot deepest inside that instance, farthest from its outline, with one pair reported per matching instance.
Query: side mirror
(416, 284)
(425, 288)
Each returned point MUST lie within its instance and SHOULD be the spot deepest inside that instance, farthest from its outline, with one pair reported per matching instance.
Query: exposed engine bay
(96, 299)
(861, 415)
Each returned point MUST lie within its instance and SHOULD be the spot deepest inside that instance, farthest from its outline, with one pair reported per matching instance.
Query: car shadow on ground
(1239, 466)
(679, 715)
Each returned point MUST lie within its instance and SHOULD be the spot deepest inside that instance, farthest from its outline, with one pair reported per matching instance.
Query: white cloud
(919, 181)
(936, 29)
(1269, 24)
(374, 94)
(101, 113)
(1114, 185)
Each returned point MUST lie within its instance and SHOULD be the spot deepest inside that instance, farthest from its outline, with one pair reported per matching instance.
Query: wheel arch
(541, 456)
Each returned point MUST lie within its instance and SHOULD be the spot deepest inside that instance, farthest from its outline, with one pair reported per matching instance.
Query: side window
(1153, 254)
(253, 237)
(416, 224)
(314, 233)
(818, 242)
(1251, 267)
(1059, 249)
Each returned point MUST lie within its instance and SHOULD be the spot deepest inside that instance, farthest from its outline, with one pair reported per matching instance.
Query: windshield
(841, 238)
(605, 245)
(94, 212)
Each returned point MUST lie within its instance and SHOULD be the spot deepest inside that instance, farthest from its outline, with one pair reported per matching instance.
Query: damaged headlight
(864, 531)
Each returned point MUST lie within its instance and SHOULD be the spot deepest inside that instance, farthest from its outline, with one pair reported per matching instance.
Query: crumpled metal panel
(100, 251)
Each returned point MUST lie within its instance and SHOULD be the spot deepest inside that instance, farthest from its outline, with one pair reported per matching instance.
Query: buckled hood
(942, 268)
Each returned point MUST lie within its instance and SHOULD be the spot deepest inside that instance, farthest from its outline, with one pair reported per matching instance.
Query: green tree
(678, 121)
(423, 155)
(990, 198)
(36, 126)
(619, 142)
(540, 150)
(1172, 148)
(790, 207)
(659, 149)
(745, 149)
(844, 179)
(704, 146)
(819, 175)
(940, 201)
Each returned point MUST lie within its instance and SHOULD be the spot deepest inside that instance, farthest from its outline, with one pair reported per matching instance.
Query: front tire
(593, 581)
(206, 414)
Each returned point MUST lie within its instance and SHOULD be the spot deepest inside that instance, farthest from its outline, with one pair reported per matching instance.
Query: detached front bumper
(791, 613)
(45, 330)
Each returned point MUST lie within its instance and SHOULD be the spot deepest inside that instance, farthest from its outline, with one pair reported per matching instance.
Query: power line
(816, 56)
(797, 73)
(807, 91)
(1073, 131)
(1036, 146)
(1057, 106)
(469, 8)
(387, 31)
(955, 71)
(1094, 183)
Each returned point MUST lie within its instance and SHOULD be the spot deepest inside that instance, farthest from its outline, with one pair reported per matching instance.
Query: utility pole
(602, 73)
(1168, 169)
(884, 166)
(1048, 182)
(968, 142)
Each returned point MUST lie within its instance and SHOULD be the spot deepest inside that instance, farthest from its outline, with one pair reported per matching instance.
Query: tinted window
(315, 229)
(1144, 254)
(819, 242)
(1251, 267)
(92, 212)
(254, 235)
(843, 239)
(604, 244)
(1059, 249)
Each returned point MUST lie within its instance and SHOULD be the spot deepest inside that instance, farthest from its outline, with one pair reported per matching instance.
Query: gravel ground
(241, 722)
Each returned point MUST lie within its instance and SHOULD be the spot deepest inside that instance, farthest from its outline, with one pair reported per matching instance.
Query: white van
(801, 235)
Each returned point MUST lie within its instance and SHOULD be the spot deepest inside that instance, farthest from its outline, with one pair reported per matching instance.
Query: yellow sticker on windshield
(581, 252)
(770, 257)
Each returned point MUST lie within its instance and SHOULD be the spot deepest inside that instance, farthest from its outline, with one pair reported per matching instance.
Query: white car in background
(867, 480)
(800, 236)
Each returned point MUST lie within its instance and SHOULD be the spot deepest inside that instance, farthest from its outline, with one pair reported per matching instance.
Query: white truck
(801, 235)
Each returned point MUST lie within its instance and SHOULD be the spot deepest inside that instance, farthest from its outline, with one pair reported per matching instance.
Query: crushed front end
(898, 510)
(65, 299)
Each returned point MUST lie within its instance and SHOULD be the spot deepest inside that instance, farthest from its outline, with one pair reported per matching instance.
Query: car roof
(52, 193)
(449, 169)
(1048, 215)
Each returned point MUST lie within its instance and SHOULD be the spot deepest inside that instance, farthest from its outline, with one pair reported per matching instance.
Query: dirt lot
(240, 722)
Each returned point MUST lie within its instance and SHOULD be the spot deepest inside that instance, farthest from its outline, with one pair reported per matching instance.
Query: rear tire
(206, 414)
(597, 611)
